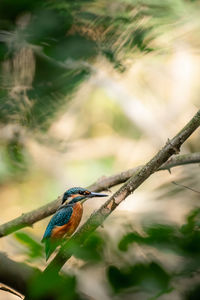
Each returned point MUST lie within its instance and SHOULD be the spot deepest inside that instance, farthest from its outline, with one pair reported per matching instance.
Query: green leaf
(50, 285)
(146, 277)
(91, 251)
(34, 248)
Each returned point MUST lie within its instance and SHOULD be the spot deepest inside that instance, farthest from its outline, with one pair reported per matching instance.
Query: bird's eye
(86, 193)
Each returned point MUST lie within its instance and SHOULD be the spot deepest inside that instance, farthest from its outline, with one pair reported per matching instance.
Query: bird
(67, 218)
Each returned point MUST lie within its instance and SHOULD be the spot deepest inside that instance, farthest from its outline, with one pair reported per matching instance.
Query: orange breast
(69, 228)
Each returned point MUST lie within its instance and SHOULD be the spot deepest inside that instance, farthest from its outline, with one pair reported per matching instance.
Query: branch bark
(172, 146)
(28, 219)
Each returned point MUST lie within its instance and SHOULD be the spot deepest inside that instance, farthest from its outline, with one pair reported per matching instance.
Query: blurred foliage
(47, 50)
(150, 278)
(51, 286)
(144, 277)
(92, 250)
(34, 248)
(114, 116)
(184, 240)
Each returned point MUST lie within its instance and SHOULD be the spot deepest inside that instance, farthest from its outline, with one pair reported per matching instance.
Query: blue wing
(61, 217)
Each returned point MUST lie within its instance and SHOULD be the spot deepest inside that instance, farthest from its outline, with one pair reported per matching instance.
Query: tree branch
(172, 146)
(11, 291)
(28, 219)
(177, 160)
(24, 279)
(15, 275)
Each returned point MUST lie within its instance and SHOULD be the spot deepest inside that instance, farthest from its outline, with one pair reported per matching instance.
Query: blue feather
(61, 217)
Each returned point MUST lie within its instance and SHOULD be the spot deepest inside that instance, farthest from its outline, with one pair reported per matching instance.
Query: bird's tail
(50, 246)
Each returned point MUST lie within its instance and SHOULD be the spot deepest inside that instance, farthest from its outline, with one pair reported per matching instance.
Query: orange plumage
(67, 217)
(69, 228)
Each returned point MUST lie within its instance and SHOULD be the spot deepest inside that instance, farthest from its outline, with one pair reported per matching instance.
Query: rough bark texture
(171, 147)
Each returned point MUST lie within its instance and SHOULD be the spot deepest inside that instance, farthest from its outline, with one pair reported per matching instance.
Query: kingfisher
(67, 217)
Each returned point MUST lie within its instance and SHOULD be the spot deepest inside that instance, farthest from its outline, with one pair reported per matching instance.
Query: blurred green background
(89, 89)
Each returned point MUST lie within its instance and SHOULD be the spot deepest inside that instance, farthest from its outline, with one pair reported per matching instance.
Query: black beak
(96, 195)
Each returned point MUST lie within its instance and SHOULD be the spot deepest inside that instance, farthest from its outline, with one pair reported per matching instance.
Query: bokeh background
(90, 89)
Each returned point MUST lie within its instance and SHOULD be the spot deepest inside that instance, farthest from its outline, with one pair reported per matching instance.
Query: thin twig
(9, 290)
(186, 187)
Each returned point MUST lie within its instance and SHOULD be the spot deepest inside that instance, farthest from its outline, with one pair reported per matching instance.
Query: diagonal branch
(28, 219)
(172, 146)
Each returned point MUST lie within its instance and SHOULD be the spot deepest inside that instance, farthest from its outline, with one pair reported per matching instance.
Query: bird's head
(76, 194)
